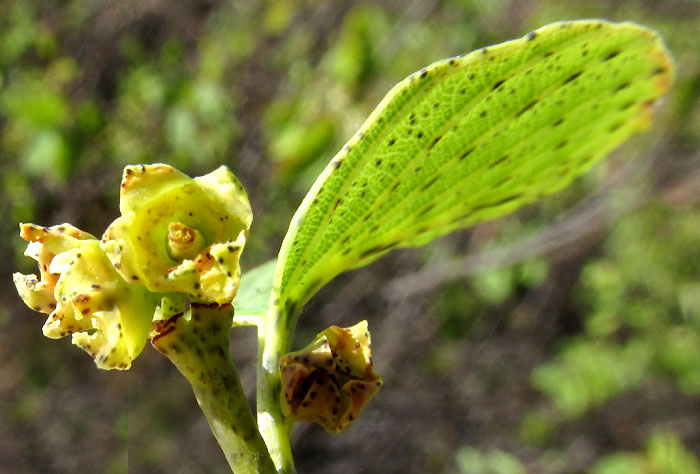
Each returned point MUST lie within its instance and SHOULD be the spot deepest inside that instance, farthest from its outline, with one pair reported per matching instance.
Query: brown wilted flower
(330, 380)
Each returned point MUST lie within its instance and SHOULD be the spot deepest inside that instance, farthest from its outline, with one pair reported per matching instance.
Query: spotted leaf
(472, 138)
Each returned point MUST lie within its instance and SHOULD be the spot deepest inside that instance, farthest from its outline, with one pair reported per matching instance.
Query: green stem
(274, 339)
(197, 343)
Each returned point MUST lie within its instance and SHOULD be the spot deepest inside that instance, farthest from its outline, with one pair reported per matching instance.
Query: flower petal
(44, 244)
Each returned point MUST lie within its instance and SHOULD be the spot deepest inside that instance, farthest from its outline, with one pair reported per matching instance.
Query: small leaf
(472, 138)
(253, 298)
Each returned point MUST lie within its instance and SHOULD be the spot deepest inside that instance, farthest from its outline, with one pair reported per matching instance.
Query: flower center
(184, 242)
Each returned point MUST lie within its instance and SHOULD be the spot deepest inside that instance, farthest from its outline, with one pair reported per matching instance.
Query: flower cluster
(178, 239)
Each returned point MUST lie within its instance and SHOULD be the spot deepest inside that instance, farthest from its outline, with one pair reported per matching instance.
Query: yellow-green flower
(330, 380)
(178, 234)
(84, 296)
(177, 239)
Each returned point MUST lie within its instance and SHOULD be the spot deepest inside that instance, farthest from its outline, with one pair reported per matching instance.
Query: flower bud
(330, 380)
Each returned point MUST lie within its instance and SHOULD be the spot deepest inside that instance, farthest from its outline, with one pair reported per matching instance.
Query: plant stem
(198, 346)
(274, 338)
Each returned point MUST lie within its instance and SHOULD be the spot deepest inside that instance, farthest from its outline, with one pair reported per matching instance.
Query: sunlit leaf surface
(471, 138)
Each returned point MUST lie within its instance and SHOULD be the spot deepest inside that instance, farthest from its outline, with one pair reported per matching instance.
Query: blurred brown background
(563, 339)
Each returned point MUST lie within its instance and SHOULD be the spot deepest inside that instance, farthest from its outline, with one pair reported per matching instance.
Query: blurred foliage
(644, 316)
(664, 454)
(472, 461)
(590, 374)
(274, 89)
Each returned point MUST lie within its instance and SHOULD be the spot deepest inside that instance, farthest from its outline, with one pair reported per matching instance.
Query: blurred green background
(562, 339)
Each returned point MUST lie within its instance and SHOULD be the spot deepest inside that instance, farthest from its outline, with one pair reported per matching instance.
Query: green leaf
(253, 297)
(472, 138)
